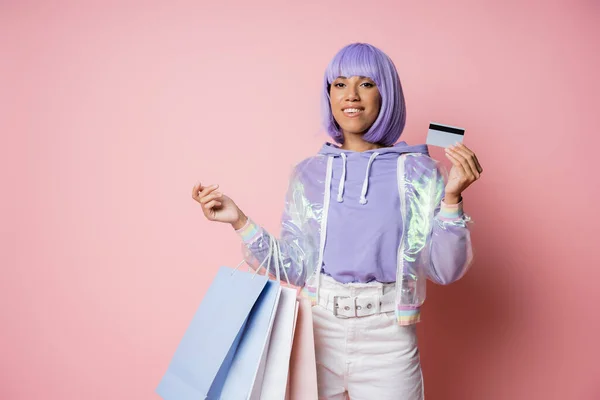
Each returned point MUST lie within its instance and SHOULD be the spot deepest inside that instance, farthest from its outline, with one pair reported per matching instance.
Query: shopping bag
(303, 366)
(245, 372)
(232, 320)
(274, 383)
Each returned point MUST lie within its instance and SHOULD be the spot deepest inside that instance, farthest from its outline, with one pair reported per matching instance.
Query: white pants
(365, 358)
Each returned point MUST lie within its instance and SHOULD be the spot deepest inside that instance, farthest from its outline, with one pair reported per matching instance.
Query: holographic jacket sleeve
(450, 249)
(296, 251)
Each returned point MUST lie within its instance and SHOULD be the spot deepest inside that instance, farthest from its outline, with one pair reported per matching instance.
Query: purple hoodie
(364, 217)
(364, 214)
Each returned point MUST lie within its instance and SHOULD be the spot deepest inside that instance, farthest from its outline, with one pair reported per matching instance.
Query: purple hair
(361, 59)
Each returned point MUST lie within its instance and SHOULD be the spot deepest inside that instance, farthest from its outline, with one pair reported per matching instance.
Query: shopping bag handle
(274, 252)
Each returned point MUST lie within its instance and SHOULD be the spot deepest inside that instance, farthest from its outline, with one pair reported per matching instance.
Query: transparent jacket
(432, 246)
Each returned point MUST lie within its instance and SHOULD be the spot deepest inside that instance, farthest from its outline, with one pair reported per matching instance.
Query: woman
(366, 222)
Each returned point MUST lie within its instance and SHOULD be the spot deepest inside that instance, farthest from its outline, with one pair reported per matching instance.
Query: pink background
(109, 113)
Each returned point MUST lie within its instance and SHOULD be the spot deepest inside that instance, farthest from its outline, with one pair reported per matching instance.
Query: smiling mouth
(352, 112)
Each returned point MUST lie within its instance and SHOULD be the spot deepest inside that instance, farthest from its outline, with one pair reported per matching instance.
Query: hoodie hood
(330, 149)
(333, 151)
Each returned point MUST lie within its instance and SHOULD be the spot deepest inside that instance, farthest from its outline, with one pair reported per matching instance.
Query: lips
(352, 111)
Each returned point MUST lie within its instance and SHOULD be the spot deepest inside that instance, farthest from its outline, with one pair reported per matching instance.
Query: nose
(352, 94)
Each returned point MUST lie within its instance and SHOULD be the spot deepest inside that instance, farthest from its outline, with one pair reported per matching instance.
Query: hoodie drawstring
(363, 194)
(365, 187)
(340, 196)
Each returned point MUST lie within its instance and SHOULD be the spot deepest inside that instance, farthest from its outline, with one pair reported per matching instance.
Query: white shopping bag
(278, 355)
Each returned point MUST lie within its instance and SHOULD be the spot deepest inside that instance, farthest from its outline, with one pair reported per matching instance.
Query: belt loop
(330, 299)
(318, 288)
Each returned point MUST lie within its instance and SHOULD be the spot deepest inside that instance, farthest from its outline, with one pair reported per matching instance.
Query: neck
(355, 142)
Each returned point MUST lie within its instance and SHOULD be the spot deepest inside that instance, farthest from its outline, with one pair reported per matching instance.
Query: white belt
(358, 306)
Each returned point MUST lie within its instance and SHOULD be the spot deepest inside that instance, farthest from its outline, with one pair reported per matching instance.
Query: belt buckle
(336, 306)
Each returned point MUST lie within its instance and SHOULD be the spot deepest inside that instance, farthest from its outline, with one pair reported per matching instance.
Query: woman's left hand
(465, 170)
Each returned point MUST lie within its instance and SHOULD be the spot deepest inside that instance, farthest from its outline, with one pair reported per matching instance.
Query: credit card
(444, 135)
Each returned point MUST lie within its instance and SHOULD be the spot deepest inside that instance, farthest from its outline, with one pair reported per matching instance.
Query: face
(355, 103)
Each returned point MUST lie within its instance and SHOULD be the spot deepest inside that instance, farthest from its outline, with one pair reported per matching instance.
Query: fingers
(212, 204)
(205, 199)
(466, 159)
(479, 167)
(456, 162)
(473, 156)
(199, 191)
(195, 190)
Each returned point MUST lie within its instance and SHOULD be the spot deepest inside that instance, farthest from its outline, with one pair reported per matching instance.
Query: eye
(338, 85)
(368, 84)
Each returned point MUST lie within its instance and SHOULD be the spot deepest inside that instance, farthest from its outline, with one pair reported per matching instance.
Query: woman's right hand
(218, 207)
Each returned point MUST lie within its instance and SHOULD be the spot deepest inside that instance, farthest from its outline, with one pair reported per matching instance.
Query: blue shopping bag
(244, 373)
(219, 353)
